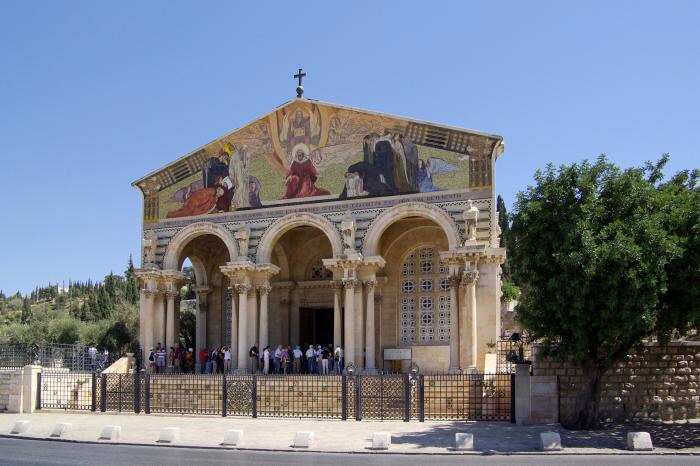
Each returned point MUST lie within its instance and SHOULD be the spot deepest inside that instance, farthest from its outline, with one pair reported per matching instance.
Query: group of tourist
(97, 360)
(305, 359)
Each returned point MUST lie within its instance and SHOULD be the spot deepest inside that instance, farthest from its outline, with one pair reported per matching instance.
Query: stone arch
(286, 223)
(179, 241)
(374, 233)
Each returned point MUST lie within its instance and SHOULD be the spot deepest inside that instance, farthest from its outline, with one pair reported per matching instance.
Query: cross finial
(300, 88)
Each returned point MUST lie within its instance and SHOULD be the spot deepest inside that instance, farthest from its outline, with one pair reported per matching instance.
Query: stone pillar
(264, 291)
(145, 338)
(337, 313)
(242, 290)
(370, 366)
(159, 318)
(294, 317)
(170, 337)
(455, 366)
(234, 328)
(150, 329)
(252, 309)
(359, 327)
(469, 279)
(201, 293)
(522, 394)
(30, 387)
(349, 349)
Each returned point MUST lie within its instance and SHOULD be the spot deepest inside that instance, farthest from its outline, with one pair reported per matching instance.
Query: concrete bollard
(640, 441)
(20, 427)
(303, 439)
(232, 437)
(464, 442)
(550, 441)
(168, 434)
(61, 428)
(381, 440)
(110, 433)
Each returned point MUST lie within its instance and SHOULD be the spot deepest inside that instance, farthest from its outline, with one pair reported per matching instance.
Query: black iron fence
(384, 397)
(73, 357)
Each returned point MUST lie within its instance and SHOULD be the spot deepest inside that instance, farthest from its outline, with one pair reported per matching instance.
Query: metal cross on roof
(300, 88)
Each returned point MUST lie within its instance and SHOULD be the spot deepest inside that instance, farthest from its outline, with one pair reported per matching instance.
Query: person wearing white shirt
(338, 355)
(296, 365)
(311, 359)
(227, 359)
(266, 360)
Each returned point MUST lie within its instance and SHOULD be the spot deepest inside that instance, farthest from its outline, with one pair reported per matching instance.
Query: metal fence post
(344, 411)
(407, 397)
(224, 396)
(103, 392)
(358, 398)
(254, 394)
(147, 401)
(421, 398)
(38, 390)
(137, 392)
(94, 392)
(512, 398)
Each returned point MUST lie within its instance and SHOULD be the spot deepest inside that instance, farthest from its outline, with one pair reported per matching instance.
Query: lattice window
(424, 298)
(319, 272)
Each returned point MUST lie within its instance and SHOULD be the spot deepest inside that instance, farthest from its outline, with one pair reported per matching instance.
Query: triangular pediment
(338, 152)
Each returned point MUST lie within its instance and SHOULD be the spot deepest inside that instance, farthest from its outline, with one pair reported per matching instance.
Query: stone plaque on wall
(397, 354)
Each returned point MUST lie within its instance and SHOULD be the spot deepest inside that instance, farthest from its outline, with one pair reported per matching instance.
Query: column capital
(242, 288)
(370, 284)
(263, 288)
(336, 284)
(453, 281)
(150, 293)
(349, 283)
(469, 277)
(172, 294)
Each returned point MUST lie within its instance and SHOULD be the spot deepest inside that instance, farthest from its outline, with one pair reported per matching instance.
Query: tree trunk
(585, 413)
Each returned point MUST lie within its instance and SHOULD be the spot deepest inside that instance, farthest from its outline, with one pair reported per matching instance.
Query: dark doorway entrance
(316, 326)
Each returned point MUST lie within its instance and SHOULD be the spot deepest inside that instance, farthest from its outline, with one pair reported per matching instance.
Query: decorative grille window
(424, 296)
(319, 272)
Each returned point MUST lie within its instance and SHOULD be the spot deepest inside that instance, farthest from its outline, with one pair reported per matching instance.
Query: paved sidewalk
(352, 436)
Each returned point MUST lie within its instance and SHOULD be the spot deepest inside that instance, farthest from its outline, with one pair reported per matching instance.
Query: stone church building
(320, 223)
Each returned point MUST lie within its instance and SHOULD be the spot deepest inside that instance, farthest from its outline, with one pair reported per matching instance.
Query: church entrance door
(316, 326)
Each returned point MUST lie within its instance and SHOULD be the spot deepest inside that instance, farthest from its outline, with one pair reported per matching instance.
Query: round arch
(286, 223)
(179, 241)
(374, 233)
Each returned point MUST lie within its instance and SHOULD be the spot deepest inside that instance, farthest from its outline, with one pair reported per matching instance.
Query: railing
(384, 397)
(503, 347)
(73, 357)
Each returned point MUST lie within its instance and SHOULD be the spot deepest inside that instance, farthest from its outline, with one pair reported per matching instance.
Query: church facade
(320, 223)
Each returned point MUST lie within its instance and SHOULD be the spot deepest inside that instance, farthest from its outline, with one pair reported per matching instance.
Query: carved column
(234, 328)
(337, 313)
(294, 317)
(369, 328)
(170, 337)
(349, 349)
(149, 330)
(469, 278)
(252, 318)
(455, 366)
(159, 317)
(264, 291)
(201, 293)
(359, 326)
(242, 290)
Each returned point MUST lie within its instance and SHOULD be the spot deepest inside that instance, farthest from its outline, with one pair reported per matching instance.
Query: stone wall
(11, 390)
(4, 390)
(658, 382)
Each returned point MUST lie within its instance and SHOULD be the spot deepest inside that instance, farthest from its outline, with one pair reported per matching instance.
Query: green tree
(590, 251)
(26, 311)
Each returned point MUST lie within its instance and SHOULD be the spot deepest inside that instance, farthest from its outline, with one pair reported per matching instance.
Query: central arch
(286, 223)
(192, 231)
(409, 209)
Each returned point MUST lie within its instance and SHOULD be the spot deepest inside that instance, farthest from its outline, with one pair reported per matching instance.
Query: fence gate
(384, 397)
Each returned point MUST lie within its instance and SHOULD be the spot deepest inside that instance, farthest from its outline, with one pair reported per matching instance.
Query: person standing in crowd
(92, 357)
(151, 360)
(296, 365)
(266, 360)
(284, 359)
(278, 359)
(202, 360)
(253, 353)
(171, 359)
(317, 353)
(212, 358)
(220, 361)
(311, 359)
(227, 359)
(189, 361)
(338, 359)
(160, 359)
(324, 360)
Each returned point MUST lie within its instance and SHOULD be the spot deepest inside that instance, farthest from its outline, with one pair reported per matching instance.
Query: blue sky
(94, 95)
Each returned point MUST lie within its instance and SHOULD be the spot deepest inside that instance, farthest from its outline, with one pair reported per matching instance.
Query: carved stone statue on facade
(471, 217)
(242, 239)
(149, 243)
(348, 227)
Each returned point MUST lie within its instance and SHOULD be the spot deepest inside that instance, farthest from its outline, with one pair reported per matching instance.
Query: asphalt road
(38, 452)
